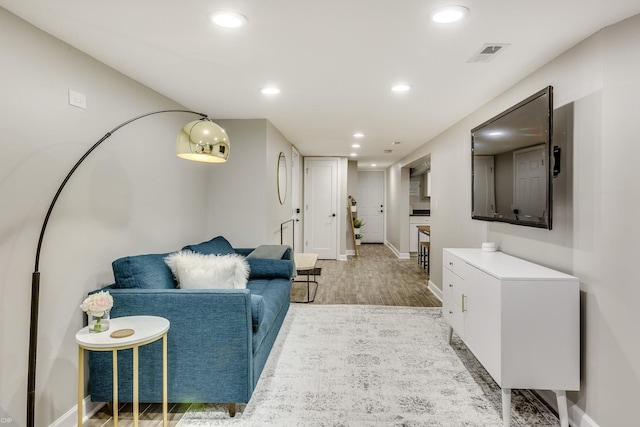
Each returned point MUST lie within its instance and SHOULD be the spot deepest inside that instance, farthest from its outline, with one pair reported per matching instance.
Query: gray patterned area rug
(350, 365)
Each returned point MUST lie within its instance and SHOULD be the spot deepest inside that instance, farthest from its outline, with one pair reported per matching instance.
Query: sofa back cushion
(216, 246)
(143, 271)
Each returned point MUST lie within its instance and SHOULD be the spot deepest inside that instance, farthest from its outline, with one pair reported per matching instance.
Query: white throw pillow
(197, 271)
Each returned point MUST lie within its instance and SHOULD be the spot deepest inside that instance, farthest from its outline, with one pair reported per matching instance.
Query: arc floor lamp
(201, 140)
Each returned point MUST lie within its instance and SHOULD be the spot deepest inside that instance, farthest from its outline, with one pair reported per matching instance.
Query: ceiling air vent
(388, 151)
(487, 52)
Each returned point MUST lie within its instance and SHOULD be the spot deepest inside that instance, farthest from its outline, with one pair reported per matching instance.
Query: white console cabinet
(519, 319)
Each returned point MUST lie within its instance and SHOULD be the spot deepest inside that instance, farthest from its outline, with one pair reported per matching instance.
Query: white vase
(354, 208)
(356, 230)
(358, 242)
(98, 323)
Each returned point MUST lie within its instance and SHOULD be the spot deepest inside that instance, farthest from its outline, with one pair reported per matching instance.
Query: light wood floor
(376, 277)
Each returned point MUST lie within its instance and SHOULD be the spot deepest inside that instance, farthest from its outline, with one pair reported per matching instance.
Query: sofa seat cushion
(143, 271)
(275, 293)
(216, 246)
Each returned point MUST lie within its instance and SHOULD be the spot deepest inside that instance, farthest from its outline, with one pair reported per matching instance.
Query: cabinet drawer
(454, 264)
(452, 288)
(452, 305)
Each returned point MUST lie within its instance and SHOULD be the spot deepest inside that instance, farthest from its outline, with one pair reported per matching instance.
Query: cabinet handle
(463, 307)
(450, 264)
(450, 285)
(450, 312)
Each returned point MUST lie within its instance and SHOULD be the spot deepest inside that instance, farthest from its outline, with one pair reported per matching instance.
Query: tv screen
(511, 171)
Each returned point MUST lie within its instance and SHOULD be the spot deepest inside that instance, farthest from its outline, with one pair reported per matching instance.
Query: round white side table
(146, 329)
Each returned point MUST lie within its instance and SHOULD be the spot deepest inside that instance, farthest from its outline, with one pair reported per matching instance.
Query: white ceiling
(334, 60)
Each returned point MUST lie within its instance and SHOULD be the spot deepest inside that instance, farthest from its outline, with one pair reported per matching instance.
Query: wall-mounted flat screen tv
(511, 171)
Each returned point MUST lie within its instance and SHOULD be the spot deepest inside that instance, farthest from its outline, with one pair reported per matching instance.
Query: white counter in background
(414, 221)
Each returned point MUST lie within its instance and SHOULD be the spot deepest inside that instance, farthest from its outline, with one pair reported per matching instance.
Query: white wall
(595, 234)
(133, 195)
(237, 190)
(277, 213)
(398, 210)
(352, 190)
(243, 193)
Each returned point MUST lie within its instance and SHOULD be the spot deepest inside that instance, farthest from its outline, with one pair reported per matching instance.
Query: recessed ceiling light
(227, 19)
(449, 14)
(353, 154)
(355, 145)
(270, 90)
(358, 135)
(373, 165)
(400, 87)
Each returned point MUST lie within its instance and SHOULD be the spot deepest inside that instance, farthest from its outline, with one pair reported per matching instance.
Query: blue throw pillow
(143, 271)
(218, 246)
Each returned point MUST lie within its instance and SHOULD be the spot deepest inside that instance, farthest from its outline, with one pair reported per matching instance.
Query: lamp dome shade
(203, 141)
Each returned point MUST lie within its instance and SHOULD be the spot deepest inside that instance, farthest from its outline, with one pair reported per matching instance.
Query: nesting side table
(306, 264)
(146, 329)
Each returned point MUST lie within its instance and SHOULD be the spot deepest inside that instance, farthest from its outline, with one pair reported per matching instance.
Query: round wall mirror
(282, 178)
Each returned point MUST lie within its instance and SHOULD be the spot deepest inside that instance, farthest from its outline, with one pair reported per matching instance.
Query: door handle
(333, 215)
(381, 210)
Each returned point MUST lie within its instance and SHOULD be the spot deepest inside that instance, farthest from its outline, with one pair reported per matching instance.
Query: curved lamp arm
(201, 145)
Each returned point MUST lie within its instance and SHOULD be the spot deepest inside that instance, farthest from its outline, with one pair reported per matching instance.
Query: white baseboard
(344, 257)
(435, 290)
(70, 419)
(577, 417)
(401, 255)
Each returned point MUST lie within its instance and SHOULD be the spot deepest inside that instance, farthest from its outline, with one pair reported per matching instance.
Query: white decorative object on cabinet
(519, 319)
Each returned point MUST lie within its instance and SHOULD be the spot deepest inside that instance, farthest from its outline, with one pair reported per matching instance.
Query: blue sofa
(219, 339)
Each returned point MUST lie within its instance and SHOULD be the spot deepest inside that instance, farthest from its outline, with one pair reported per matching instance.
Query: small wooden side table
(306, 264)
(146, 329)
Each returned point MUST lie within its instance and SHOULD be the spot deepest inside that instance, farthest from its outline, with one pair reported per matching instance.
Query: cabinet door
(483, 322)
(452, 301)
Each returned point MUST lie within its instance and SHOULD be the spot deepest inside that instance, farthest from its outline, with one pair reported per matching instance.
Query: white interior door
(321, 207)
(296, 204)
(530, 175)
(370, 199)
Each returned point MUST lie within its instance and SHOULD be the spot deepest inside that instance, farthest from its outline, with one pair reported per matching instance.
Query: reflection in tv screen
(511, 168)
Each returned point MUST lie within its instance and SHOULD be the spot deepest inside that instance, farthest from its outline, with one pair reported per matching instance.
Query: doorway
(484, 197)
(371, 204)
(321, 207)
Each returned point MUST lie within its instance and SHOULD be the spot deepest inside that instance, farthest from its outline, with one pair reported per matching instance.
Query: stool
(423, 255)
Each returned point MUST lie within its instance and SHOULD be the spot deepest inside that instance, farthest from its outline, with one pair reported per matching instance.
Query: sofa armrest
(262, 268)
(209, 345)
